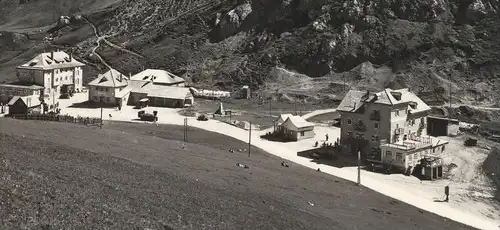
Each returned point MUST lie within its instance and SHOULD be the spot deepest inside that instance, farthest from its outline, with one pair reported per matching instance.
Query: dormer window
(396, 95)
(413, 105)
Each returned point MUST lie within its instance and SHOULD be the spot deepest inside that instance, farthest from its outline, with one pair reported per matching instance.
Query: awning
(144, 100)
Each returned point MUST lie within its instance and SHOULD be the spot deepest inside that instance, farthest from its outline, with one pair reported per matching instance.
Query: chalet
(109, 88)
(296, 128)
(22, 105)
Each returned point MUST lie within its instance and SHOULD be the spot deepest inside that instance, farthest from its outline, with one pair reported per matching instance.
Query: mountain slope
(427, 45)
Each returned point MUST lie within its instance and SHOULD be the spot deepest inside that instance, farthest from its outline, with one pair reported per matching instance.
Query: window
(349, 121)
(66, 78)
(412, 122)
(95, 98)
(349, 133)
(377, 125)
(388, 155)
(399, 157)
(360, 135)
(57, 79)
(433, 150)
(301, 133)
(77, 81)
(107, 98)
(374, 138)
(442, 149)
(396, 112)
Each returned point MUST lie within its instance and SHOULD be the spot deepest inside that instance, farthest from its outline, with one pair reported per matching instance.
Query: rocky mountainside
(431, 46)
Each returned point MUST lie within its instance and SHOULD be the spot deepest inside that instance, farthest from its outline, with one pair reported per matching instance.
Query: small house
(19, 105)
(297, 128)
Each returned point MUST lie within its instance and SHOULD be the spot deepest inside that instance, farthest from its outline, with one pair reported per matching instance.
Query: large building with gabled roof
(386, 126)
(46, 77)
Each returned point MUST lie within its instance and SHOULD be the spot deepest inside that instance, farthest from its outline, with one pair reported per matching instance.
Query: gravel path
(126, 176)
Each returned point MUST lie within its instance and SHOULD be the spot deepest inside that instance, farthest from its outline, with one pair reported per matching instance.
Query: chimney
(121, 77)
(129, 75)
(71, 57)
(52, 55)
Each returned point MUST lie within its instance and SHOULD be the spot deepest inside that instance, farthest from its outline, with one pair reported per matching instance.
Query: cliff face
(431, 46)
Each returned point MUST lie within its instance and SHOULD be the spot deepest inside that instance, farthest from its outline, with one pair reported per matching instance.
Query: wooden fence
(60, 118)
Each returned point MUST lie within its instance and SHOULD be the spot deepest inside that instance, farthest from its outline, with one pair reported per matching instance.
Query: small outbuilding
(297, 128)
(19, 105)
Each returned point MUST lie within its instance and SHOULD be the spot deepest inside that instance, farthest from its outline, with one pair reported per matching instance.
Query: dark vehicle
(378, 167)
(202, 118)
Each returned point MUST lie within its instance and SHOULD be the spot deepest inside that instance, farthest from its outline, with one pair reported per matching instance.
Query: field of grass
(57, 175)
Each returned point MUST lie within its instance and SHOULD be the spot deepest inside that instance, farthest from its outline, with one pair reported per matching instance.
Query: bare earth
(126, 176)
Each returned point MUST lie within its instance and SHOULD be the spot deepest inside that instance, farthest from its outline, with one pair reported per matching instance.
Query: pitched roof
(158, 76)
(110, 79)
(46, 61)
(298, 122)
(27, 100)
(13, 100)
(284, 116)
(163, 91)
(355, 99)
(351, 101)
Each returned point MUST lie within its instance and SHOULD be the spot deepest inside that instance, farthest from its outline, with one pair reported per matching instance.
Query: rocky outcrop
(230, 23)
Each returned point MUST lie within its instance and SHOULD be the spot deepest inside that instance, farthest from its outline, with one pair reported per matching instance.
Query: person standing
(447, 192)
(326, 137)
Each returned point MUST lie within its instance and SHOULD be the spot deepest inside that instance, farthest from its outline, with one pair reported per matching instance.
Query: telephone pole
(185, 129)
(270, 106)
(249, 139)
(359, 167)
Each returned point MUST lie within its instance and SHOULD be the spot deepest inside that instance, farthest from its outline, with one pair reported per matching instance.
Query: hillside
(90, 179)
(430, 46)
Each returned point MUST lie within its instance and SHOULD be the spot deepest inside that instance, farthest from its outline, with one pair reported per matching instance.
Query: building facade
(8, 91)
(295, 128)
(385, 126)
(57, 72)
(109, 88)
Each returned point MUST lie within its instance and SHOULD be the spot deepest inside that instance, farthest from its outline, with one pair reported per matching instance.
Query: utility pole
(359, 167)
(185, 129)
(100, 126)
(270, 106)
(249, 139)
(450, 96)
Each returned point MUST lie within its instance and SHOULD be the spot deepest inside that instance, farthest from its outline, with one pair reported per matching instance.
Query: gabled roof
(46, 61)
(298, 122)
(283, 117)
(13, 100)
(110, 79)
(355, 99)
(158, 76)
(28, 101)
